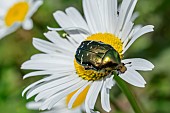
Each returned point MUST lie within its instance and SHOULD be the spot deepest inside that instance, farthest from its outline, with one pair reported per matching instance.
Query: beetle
(98, 56)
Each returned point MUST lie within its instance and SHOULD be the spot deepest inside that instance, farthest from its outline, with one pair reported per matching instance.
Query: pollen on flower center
(16, 13)
(107, 38)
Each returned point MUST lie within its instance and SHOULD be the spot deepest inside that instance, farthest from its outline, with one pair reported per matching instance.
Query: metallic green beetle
(93, 55)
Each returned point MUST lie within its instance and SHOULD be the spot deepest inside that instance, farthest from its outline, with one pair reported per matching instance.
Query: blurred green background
(154, 98)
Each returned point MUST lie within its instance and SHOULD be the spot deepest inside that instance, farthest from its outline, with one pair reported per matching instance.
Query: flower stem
(123, 86)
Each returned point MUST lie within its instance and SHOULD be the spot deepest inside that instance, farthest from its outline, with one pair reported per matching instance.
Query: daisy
(60, 107)
(62, 60)
(16, 13)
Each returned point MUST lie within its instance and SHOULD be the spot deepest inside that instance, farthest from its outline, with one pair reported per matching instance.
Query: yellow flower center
(79, 100)
(16, 13)
(107, 38)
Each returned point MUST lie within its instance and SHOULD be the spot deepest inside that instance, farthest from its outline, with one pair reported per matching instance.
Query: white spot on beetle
(81, 59)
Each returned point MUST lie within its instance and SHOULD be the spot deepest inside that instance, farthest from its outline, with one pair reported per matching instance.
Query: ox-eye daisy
(16, 13)
(60, 107)
(86, 59)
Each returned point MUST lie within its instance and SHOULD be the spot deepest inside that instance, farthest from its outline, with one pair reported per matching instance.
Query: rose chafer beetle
(93, 55)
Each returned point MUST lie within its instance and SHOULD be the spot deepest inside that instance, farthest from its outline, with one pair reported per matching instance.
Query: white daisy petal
(44, 46)
(126, 31)
(55, 76)
(52, 56)
(36, 73)
(66, 21)
(33, 105)
(60, 107)
(9, 24)
(34, 7)
(58, 40)
(49, 103)
(31, 85)
(122, 15)
(142, 31)
(3, 32)
(6, 31)
(112, 15)
(134, 16)
(43, 73)
(95, 94)
(56, 62)
(92, 15)
(105, 99)
(110, 82)
(77, 18)
(129, 12)
(48, 47)
(46, 66)
(50, 92)
(27, 24)
(92, 95)
(133, 77)
(70, 104)
(50, 85)
(139, 64)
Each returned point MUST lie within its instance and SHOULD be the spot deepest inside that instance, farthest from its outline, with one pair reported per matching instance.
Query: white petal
(57, 89)
(110, 82)
(33, 105)
(110, 13)
(51, 73)
(65, 21)
(134, 16)
(55, 62)
(34, 7)
(92, 95)
(122, 15)
(76, 17)
(132, 32)
(144, 30)
(8, 30)
(56, 39)
(133, 77)
(92, 15)
(55, 76)
(48, 47)
(47, 66)
(74, 97)
(3, 32)
(129, 12)
(105, 99)
(50, 85)
(27, 24)
(32, 85)
(138, 64)
(49, 103)
(95, 94)
(49, 60)
(51, 56)
(126, 31)
(36, 73)
(44, 46)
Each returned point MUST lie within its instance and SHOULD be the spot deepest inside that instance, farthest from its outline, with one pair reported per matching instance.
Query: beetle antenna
(127, 63)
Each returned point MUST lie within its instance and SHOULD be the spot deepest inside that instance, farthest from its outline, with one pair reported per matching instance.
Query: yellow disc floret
(80, 99)
(107, 38)
(16, 13)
